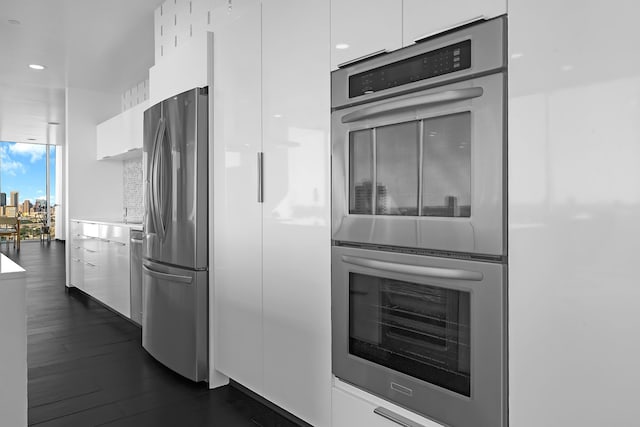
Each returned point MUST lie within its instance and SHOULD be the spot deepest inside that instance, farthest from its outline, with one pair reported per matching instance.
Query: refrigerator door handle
(156, 159)
(152, 179)
(167, 276)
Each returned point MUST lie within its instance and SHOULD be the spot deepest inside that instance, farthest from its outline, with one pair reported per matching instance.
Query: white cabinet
(76, 252)
(297, 217)
(121, 136)
(99, 263)
(271, 260)
(180, 70)
(362, 27)
(423, 17)
(13, 335)
(354, 407)
(237, 214)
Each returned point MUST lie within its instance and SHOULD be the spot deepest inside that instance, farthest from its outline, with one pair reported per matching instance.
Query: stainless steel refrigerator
(175, 255)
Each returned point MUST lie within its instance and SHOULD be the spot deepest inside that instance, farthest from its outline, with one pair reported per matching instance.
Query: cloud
(35, 151)
(8, 165)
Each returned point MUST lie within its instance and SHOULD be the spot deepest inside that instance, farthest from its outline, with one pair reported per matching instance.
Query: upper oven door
(437, 158)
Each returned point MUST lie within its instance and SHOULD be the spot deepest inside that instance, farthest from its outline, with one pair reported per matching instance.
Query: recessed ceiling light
(37, 67)
(31, 139)
(342, 46)
(517, 55)
(13, 21)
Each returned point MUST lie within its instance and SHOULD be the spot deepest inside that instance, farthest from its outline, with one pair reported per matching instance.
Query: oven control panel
(430, 64)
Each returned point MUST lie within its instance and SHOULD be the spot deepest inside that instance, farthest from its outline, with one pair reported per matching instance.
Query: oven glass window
(361, 172)
(397, 163)
(421, 168)
(419, 330)
(446, 176)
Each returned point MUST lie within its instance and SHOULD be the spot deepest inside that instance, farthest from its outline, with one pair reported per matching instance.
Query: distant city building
(3, 199)
(40, 206)
(26, 207)
(363, 198)
(13, 199)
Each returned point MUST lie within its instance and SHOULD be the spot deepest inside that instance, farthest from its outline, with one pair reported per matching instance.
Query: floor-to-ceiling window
(28, 186)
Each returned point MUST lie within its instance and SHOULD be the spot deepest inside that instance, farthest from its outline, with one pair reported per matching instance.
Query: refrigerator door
(174, 318)
(175, 155)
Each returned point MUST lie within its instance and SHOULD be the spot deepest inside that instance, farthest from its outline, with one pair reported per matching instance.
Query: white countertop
(9, 269)
(131, 225)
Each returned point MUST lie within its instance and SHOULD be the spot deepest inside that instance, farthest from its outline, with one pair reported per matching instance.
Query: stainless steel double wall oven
(418, 226)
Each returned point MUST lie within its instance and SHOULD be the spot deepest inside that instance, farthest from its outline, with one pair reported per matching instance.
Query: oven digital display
(435, 63)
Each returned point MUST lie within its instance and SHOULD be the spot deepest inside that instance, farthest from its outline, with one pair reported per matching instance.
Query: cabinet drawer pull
(396, 418)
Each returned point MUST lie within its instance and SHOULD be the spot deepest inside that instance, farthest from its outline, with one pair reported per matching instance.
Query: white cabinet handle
(260, 177)
(396, 418)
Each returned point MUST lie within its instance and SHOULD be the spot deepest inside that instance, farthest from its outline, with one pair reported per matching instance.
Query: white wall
(574, 213)
(93, 188)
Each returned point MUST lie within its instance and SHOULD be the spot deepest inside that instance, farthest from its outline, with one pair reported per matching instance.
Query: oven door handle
(415, 270)
(413, 102)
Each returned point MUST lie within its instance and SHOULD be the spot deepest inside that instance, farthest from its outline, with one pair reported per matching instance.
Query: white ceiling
(102, 45)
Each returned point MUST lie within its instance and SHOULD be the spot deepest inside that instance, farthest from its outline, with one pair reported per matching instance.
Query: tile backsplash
(132, 183)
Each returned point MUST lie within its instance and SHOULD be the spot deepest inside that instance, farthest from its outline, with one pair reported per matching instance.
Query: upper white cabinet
(362, 27)
(184, 69)
(121, 136)
(424, 17)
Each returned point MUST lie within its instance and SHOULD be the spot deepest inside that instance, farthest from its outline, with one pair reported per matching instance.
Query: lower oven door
(426, 333)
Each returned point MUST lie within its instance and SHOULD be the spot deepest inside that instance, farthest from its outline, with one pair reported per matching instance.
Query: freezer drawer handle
(396, 418)
(416, 270)
(166, 276)
(413, 102)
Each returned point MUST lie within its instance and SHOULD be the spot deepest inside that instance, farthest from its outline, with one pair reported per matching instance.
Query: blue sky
(23, 169)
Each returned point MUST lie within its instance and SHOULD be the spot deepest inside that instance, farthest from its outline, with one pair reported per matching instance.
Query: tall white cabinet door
(361, 27)
(424, 17)
(296, 233)
(237, 216)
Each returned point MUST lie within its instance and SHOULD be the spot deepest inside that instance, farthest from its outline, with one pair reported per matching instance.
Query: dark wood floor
(86, 365)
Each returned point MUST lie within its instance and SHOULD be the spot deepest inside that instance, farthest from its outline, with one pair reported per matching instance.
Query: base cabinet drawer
(99, 263)
(76, 272)
(352, 407)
